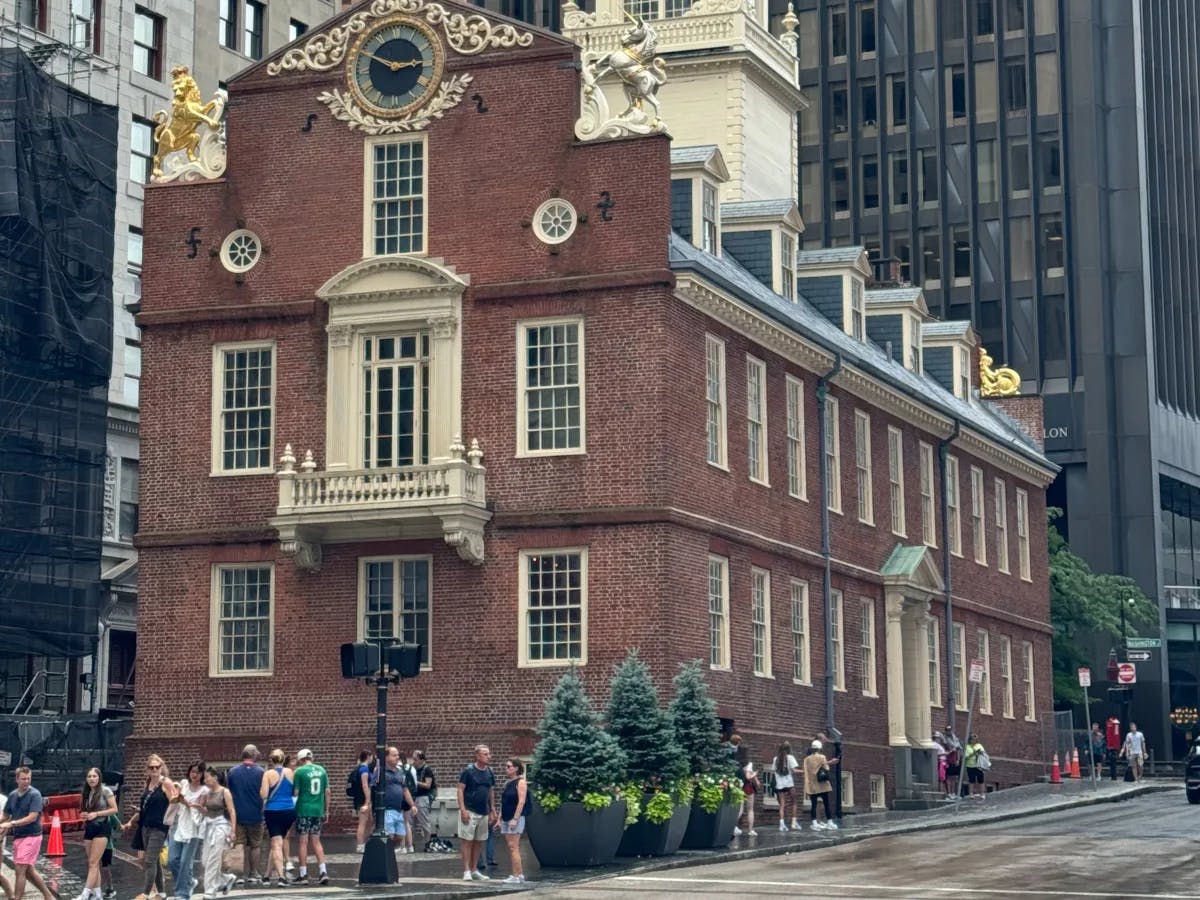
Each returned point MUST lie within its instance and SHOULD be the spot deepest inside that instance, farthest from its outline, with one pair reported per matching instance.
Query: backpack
(426, 771)
(354, 788)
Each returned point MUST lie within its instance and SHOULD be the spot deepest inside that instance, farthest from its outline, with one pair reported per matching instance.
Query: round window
(241, 251)
(555, 221)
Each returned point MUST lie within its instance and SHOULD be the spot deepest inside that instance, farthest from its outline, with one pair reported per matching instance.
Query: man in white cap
(311, 786)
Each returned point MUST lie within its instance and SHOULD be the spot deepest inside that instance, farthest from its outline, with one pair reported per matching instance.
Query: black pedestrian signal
(404, 659)
(360, 660)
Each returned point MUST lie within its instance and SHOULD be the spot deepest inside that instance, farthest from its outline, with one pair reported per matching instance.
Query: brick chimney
(1026, 411)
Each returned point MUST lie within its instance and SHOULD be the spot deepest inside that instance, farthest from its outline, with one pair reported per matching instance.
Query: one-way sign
(1138, 655)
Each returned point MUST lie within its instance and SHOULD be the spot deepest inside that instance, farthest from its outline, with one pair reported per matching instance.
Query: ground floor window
(553, 607)
(242, 618)
(394, 600)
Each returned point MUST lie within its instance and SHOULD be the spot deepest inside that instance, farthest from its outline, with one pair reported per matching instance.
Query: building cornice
(293, 309)
(630, 278)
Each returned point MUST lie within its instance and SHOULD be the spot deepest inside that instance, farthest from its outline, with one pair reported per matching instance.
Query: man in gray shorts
(476, 810)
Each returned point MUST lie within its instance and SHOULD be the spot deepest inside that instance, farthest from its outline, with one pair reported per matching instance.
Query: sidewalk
(440, 875)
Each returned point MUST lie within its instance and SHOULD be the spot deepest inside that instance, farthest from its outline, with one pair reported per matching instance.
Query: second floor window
(896, 478)
(953, 507)
(862, 465)
(714, 361)
(395, 600)
(395, 400)
(398, 197)
(797, 477)
(244, 387)
(552, 396)
(227, 24)
(252, 31)
(928, 512)
(147, 43)
(756, 419)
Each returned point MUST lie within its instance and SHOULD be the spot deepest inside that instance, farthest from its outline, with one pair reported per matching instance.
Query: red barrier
(67, 807)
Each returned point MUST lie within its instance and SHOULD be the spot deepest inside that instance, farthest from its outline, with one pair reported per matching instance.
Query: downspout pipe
(943, 453)
(826, 552)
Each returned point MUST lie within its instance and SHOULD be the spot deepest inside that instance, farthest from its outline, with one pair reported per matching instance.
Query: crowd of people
(792, 780)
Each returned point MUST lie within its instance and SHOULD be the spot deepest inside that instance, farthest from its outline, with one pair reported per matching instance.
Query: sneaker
(298, 880)
(512, 879)
(324, 879)
(359, 848)
(783, 826)
(817, 826)
(467, 876)
(479, 876)
(255, 881)
(288, 866)
(279, 883)
(737, 832)
(796, 825)
(831, 826)
(751, 833)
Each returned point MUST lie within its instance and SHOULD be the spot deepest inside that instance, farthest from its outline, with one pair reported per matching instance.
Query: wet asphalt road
(1140, 849)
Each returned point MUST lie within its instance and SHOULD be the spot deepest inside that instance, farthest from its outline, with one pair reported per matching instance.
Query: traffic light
(360, 660)
(404, 659)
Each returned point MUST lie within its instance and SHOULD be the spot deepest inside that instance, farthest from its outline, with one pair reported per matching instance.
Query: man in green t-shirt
(311, 787)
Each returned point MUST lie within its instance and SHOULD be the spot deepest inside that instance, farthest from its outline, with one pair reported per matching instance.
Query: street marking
(1005, 892)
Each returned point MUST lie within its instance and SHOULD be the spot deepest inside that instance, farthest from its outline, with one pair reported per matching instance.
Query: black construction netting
(58, 158)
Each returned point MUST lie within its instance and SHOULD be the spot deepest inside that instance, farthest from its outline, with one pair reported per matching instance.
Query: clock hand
(407, 65)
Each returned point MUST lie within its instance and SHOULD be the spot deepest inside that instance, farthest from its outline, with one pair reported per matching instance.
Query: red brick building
(470, 381)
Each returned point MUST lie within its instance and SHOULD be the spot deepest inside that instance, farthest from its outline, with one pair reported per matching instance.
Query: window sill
(981, 562)
(257, 673)
(233, 473)
(836, 510)
(802, 683)
(871, 696)
(900, 534)
(542, 454)
(548, 664)
(766, 675)
(721, 466)
(803, 498)
(760, 482)
(724, 668)
(985, 712)
(839, 690)
(1007, 716)
(870, 522)
(1027, 719)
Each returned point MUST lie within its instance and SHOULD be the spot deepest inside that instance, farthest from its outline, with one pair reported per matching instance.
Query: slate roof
(753, 209)
(681, 156)
(803, 319)
(829, 256)
(893, 295)
(945, 329)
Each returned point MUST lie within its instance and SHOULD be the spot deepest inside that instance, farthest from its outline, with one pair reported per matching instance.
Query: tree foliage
(642, 728)
(574, 755)
(1084, 603)
(697, 726)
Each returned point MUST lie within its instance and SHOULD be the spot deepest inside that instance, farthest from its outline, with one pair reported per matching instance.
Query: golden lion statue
(177, 130)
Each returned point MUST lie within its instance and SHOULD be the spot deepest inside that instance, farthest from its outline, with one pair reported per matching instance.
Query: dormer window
(858, 311)
(708, 217)
(787, 266)
(963, 374)
(913, 357)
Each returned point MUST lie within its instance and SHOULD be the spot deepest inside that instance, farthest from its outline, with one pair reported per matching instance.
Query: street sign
(1126, 673)
(977, 671)
(1138, 656)
(1143, 643)
(1085, 677)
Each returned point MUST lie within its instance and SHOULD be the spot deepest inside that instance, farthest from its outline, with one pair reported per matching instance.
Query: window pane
(931, 255)
(899, 101)
(869, 105)
(553, 387)
(962, 254)
(985, 91)
(810, 192)
(244, 620)
(841, 187)
(956, 94)
(1014, 15)
(839, 110)
(1015, 88)
(554, 606)
(985, 18)
(837, 33)
(928, 175)
(899, 179)
(1053, 250)
(870, 175)
(866, 28)
(985, 171)
(1020, 249)
(1045, 16)
(1018, 167)
(1047, 84)
(1051, 164)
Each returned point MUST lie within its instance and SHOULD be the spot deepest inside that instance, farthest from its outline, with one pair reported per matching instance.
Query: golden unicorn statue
(998, 382)
(180, 128)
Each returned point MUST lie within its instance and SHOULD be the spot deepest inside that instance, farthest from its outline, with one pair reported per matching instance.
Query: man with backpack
(425, 793)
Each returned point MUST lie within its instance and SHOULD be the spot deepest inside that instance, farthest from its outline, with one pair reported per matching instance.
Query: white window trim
(1006, 676)
(1027, 674)
(523, 660)
(715, 343)
(983, 645)
(786, 287)
(796, 438)
(754, 365)
(762, 576)
(218, 372)
(698, 220)
(523, 325)
(959, 672)
(864, 475)
(1000, 502)
(954, 505)
(978, 516)
(928, 497)
(935, 660)
(848, 789)
(214, 622)
(799, 594)
(369, 146)
(834, 468)
(1023, 534)
(855, 289)
(839, 640)
(870, 685)
(725, 664)
(396, 612)
(896, 481)
(878, 792)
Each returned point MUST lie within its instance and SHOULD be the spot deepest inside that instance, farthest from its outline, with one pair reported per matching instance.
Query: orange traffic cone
(1075, 763)
(55, 846)
(1055, 771)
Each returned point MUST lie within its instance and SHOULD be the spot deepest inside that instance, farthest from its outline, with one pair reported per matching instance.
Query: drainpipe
(823, 477)
(943, 452)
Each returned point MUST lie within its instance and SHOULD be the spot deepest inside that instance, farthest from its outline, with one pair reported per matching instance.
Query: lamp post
(383, 662)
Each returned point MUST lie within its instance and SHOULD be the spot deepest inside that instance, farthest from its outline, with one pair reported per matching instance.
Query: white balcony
(445, 498)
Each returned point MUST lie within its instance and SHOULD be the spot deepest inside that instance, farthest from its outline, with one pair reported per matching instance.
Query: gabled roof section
(808, 324)
(822, 261)
(945, 332)
(705, 158)
(467, 30)
(913, 567)
(768, 212)
(909, 297)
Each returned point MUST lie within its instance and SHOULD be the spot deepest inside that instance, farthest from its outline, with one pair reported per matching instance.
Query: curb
(823, 842)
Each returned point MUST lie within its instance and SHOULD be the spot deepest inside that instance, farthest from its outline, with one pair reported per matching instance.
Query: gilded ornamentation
(466, 34)
(574, 17)
(641, 74)
(996, 382)
(711, 7)
(191, 127)
(343, 108)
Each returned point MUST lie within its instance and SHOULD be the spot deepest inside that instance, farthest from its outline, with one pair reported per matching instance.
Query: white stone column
(340, 399)
(916, 676)
(897, 735)
(445, 386)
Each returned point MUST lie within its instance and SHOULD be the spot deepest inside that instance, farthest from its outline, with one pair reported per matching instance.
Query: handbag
(983, 761)
(823, 774)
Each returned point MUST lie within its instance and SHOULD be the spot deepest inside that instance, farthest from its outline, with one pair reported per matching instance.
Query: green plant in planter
(575, 759)
(660, 807)
(645, 731)
(698, 730)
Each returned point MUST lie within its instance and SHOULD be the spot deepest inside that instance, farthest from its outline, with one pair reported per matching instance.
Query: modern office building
(1030, 163)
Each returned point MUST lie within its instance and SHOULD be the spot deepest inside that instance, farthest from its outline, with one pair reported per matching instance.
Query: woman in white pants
(220, 825)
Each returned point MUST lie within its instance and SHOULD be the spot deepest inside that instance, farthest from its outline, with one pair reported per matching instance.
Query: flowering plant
(714, 789)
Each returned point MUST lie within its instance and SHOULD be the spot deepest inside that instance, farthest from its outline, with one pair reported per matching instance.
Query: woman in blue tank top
(279, 811)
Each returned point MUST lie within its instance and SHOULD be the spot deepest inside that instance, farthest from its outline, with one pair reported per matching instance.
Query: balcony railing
(447, 497)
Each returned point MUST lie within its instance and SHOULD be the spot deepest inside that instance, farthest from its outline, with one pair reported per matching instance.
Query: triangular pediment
(393, 276)
(913, 568)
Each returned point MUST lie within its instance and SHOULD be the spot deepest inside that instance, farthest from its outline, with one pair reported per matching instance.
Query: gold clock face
(395, 66)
